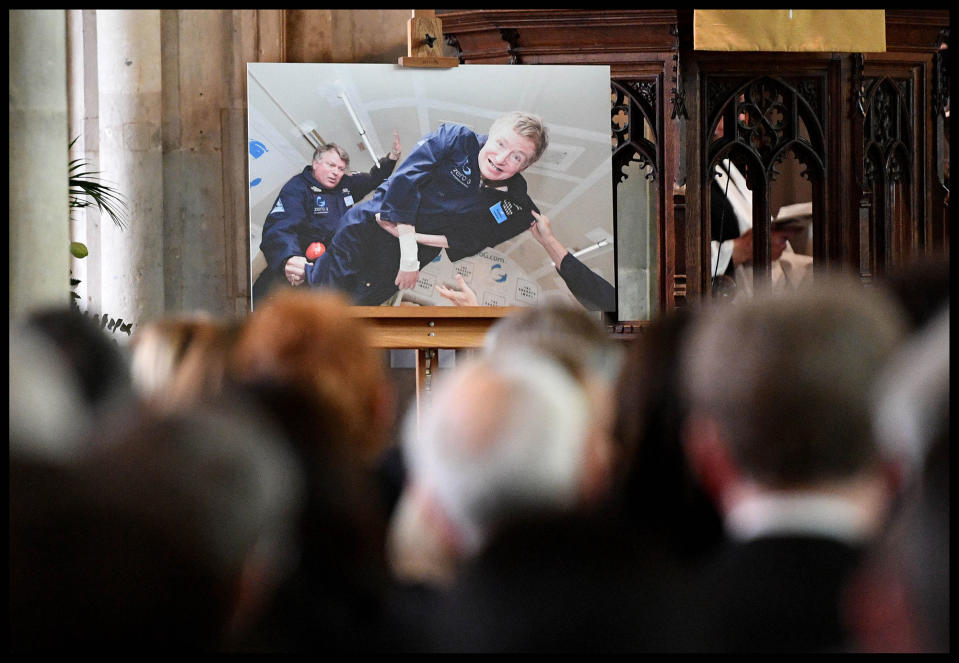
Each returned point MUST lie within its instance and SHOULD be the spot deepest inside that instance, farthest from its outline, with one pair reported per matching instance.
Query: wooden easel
(424, 35)
(427, 329)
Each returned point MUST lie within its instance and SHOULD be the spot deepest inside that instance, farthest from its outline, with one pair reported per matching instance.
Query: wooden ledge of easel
(429, 61)
(422, 327)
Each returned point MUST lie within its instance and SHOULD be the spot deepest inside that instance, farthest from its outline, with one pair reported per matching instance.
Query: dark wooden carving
(511, 37)
(940, 81)
(453, 43)
(678, 93)
(632, 103)
(859, 93)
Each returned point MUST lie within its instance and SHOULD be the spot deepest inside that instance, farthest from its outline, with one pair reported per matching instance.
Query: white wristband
(408, 251)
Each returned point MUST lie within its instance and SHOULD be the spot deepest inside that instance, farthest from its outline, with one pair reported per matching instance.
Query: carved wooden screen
(636, 145)
(888, 158)
(756, 123)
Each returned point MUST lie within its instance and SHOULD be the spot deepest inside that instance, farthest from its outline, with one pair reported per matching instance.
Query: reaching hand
(540, 228)
(406, 280)
(462, 297)
(543, 234)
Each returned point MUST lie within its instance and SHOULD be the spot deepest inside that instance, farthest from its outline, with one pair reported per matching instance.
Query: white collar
(800, 512)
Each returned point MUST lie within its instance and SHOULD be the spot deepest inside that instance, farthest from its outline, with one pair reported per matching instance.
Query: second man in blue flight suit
(310, 208)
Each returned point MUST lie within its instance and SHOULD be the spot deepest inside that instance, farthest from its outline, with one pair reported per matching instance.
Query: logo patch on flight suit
(503, 210)
(462, 176)
(321, 207)
(278, 207)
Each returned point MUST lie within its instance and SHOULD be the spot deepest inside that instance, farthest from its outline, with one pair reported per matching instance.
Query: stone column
(39, 212)
(131, 157)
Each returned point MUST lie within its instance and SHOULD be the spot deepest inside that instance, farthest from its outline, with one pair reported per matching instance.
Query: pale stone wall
(131, 259)
(39, 264)
(159, 99)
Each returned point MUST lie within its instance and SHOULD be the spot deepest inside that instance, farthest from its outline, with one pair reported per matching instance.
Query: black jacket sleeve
(590, 289)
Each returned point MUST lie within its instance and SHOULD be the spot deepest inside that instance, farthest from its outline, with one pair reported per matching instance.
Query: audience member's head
(87, 350)
(779, 387)
(779, 432)
(65, 375)
(502, 438)
(311, 342)
(654, 484)
(180, 360)
(305, 358)
(563, 331)
(577, 341)
(167, 536)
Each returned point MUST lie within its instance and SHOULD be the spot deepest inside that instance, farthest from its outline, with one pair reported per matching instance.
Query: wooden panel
(910, 30)
(553, 35)
(271, 35)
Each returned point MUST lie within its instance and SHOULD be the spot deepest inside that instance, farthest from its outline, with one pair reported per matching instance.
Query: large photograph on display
(483, 185)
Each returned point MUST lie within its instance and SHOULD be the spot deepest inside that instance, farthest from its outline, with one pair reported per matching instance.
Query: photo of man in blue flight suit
(310, 208)
(457, 190)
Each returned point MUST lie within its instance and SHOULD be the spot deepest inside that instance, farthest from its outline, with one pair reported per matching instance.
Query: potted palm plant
(86, 189)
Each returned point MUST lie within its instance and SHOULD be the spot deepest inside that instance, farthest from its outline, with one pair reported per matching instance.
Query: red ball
(315, 250)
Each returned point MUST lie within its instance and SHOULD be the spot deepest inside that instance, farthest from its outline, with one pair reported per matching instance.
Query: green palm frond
(86, 188)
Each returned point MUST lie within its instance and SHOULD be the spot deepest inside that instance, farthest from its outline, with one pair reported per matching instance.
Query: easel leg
(426, 360)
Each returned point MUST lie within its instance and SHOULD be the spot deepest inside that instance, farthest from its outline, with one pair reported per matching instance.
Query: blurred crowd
(764, 475)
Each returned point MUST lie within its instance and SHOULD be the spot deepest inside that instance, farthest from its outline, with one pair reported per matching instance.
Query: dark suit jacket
(771, 594)
(568, 583)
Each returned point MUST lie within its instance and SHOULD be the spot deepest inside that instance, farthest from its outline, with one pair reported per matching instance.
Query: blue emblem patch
(498, 276)
(498, 213)
(320, 202)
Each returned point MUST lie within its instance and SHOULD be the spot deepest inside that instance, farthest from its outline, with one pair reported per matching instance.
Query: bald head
(501, 438)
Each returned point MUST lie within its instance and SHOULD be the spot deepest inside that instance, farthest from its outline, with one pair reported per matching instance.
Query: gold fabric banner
(842, 30)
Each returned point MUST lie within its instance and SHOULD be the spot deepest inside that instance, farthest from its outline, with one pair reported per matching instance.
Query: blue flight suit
(437, 189)
(305, 212)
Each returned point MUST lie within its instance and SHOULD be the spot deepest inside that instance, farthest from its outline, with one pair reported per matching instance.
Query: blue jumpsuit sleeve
(402, 199)
(290, 211)
(362, 183)
(590, 289)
